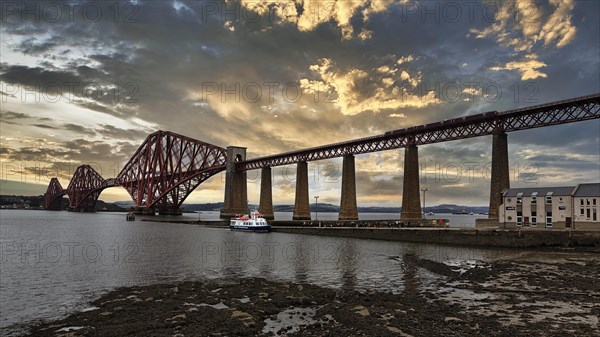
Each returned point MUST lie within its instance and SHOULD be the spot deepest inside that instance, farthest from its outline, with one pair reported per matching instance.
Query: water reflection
(301, 256)
(409, 269)
(102, 251)
(347, 263)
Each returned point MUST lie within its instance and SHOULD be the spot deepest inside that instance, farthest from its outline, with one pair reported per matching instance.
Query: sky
(84, 82)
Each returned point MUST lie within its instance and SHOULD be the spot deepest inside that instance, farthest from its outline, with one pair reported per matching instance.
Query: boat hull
(258, 229)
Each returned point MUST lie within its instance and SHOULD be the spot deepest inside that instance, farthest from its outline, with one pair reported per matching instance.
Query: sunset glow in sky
(85, 82)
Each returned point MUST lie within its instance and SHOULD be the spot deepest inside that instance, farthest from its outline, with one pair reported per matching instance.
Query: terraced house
(575, 207)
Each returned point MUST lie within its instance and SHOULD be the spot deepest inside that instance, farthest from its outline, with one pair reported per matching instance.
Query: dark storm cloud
(15, 118)
(10, 115)
(39, 154)
(564, 161)
(77, 150)
(78, 129)
(112, 132)
(35, 77)
(44, 126)
(33, 47)
(155, 68)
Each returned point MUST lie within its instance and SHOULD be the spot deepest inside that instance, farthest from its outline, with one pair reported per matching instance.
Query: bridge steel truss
(85, 188)
(167, 167)
(164, 170)
(560, 112)
(53, 195)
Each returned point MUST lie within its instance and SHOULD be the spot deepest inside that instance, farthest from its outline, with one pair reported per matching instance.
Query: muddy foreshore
(504, 298)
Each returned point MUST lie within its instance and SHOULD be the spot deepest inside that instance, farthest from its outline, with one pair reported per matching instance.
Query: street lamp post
(316, 208)
(424, 190)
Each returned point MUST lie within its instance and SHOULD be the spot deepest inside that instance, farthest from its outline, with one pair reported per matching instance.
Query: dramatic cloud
(527, 67)
(356, 90)
(523, 26)
(307, 15)
(276, 76)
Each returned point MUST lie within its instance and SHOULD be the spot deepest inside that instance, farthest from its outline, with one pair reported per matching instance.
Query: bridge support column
(82, 209)
(348, 208)
(411, 201)
(301, 207)
(266, 194)
(500, 173)
(236, 191)
(55, 205)
(144, 211)
(170, 211)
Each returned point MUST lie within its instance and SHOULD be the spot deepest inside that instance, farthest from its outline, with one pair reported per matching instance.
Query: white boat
(430, 213)
(254, 223)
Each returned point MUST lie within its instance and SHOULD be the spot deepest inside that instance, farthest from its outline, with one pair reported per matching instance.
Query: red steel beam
(53, 195)
(85, 188)
(167, 167)
(560, 112)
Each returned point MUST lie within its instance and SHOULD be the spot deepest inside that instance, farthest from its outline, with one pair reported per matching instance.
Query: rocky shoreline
(505, 298)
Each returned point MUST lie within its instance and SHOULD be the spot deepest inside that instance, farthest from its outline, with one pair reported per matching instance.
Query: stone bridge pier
(236, 191)
(236, 195)
(411, 201)
(348, 207)
(301, 206)
(266, 194)
(500, 175)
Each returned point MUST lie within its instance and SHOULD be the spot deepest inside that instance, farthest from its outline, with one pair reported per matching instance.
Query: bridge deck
(548, 114)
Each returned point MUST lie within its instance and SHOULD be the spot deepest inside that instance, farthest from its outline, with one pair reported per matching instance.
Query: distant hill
(122, 206)
(37, 202)
(445, 208)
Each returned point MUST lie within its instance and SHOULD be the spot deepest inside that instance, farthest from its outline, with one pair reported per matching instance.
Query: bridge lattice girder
(561, 112)
(85, 188)
(167, 167)
(53, 195)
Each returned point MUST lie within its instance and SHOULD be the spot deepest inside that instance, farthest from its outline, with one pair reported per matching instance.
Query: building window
(581, 202)
(548, 219)
(520, 199)
(533, 200)
(588, 213)
(548, 200)
(594, 215)
(587, 201)
(594, 202)
(533, 221)
(582, 211)
(519, 218)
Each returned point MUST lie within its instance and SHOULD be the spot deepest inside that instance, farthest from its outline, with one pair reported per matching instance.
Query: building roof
(542, 191)
(587, 190)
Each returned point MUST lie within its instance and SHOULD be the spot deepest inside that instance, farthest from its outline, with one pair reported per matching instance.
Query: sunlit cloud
(524, 26)
(316, 12)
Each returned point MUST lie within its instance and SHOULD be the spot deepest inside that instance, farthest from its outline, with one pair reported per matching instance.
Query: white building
(586, 204)
(551, 207)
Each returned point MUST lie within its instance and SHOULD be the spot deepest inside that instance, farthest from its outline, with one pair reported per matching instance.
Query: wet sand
(523, 297)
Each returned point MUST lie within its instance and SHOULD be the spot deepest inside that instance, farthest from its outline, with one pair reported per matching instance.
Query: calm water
(53, 263)
(456, 220)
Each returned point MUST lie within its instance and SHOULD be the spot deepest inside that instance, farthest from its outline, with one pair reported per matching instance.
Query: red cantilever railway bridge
(167, 167)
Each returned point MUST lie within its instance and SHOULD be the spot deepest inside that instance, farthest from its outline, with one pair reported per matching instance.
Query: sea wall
(454, 236)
